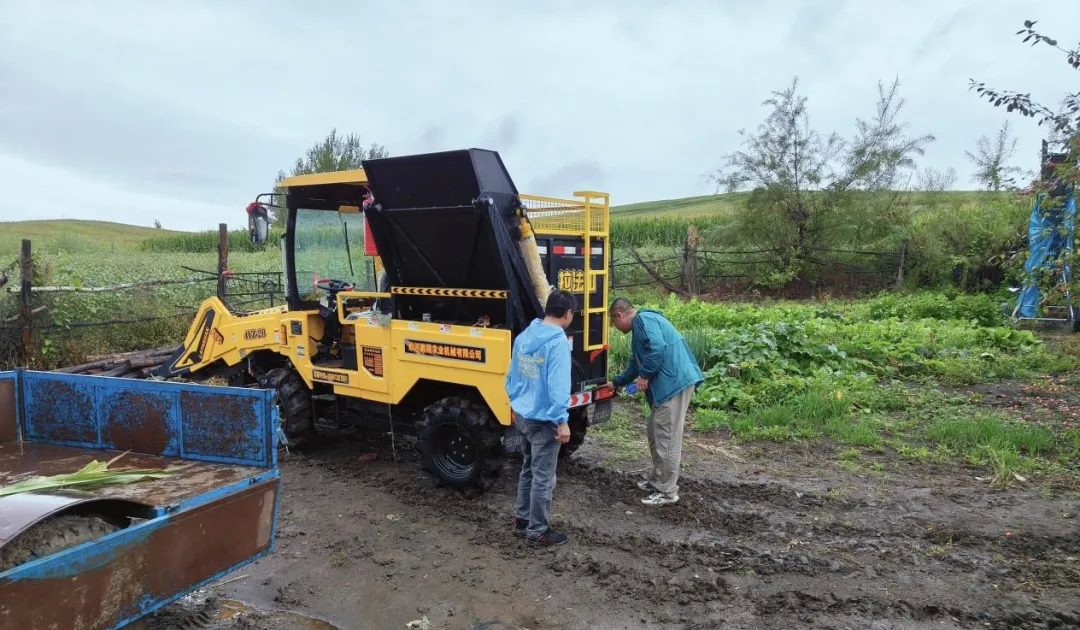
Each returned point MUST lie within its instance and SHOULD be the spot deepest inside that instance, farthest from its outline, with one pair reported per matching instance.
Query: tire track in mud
(919, 541)
(884, 553)
(691, 569)
(1042, 558)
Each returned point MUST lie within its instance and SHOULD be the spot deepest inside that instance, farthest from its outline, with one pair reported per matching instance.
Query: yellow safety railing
(586, 217)
(570, 217)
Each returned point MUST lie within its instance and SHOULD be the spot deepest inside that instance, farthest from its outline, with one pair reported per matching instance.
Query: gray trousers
(536, 483)
(665, 430)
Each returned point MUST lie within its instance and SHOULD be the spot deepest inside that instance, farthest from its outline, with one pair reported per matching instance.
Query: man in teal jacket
(662, 366)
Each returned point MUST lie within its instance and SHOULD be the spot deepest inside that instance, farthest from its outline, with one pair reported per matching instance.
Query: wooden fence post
(900, 267)
(691, 281)
(26, 274)
(223, 258)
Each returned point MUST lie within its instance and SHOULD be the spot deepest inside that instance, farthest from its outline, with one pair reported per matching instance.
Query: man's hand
(563, 435)
(642, 383)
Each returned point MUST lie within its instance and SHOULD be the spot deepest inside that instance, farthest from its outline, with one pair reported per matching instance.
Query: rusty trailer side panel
(197, 422)
(192, 528)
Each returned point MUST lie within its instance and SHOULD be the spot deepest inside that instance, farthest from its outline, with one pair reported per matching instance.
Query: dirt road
(779, 537)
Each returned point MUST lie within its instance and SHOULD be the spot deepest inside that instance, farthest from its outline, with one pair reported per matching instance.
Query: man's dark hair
(620, 305)
(558, 303)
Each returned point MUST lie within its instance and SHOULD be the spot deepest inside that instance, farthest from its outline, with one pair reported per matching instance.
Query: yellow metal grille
(549, 215)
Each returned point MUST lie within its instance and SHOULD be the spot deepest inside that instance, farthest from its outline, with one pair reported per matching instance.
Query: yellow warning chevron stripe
(485, 294)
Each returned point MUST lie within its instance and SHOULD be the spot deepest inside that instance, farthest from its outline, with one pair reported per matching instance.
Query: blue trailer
(102, 559)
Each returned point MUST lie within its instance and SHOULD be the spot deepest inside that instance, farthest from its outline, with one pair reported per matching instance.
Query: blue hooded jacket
(538, 382)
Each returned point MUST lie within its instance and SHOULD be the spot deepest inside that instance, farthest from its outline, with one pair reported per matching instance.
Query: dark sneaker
(520, 525)
(550, 538)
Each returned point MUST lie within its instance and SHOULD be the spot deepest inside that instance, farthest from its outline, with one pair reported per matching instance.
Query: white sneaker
(660, 499)
(645, 486)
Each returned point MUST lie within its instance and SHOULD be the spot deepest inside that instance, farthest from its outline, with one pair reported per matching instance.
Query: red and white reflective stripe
(559, 249)
(597, 251)
(582, 399)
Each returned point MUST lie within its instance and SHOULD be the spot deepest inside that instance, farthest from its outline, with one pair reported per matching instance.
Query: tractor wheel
(51, 536)
(579, 426)
(293, 399)
(459, 443)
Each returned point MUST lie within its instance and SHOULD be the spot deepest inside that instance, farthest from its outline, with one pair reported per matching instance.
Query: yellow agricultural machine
(463, 264)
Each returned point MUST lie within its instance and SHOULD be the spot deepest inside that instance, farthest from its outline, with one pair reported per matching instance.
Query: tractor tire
(579, 426)
(51, 536)
(293, 399)
(460, 444)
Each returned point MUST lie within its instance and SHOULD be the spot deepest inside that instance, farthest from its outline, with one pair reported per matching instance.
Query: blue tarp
(1051, 233)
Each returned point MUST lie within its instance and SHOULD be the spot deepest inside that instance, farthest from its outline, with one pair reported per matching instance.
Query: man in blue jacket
(539, 387)
(662, 366)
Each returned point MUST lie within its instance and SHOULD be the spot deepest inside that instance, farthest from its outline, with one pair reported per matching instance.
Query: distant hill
(72, 235)
(687, 206)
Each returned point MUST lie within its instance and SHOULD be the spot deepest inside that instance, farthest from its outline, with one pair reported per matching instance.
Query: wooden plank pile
(137, 364)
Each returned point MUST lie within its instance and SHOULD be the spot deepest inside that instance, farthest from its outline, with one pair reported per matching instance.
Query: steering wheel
(332, 286)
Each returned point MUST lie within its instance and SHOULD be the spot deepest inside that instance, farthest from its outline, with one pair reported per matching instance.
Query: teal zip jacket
(660, 355)
(538, 382)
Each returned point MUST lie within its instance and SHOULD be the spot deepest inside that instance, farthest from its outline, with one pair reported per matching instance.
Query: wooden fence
(26, 308)
(691, 271)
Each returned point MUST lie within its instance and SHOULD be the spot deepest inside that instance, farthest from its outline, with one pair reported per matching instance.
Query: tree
(333, 153)
(804, 182)
(157, 224)
(1064, 120)
(881, 151)
(934, 180)
(1064, 124)
(782, 164)
(991, 160)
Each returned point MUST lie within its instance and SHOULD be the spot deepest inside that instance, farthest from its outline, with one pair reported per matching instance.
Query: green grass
(685, 207)
(622, 436)
(73, 236)
(993, 431)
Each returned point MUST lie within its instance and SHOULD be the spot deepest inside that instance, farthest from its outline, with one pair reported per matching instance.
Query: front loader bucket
(451, 220)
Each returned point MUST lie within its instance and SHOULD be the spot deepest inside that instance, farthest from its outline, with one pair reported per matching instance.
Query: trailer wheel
(53, 535)
(579, 426)
(459, 442)
(293, 399)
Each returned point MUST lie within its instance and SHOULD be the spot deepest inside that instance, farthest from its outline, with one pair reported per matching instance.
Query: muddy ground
(775, 536)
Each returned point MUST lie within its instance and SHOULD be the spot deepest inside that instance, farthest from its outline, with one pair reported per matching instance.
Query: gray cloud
(433, 138)
(506, 134)
(582, 175)
(193, 108)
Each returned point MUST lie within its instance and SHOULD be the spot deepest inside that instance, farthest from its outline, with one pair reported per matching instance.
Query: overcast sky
(183, 111)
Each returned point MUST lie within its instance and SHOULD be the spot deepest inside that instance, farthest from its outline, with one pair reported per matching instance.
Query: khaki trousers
(665, 431)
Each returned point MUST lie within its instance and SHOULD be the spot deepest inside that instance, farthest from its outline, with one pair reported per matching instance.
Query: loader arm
(218, 336)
